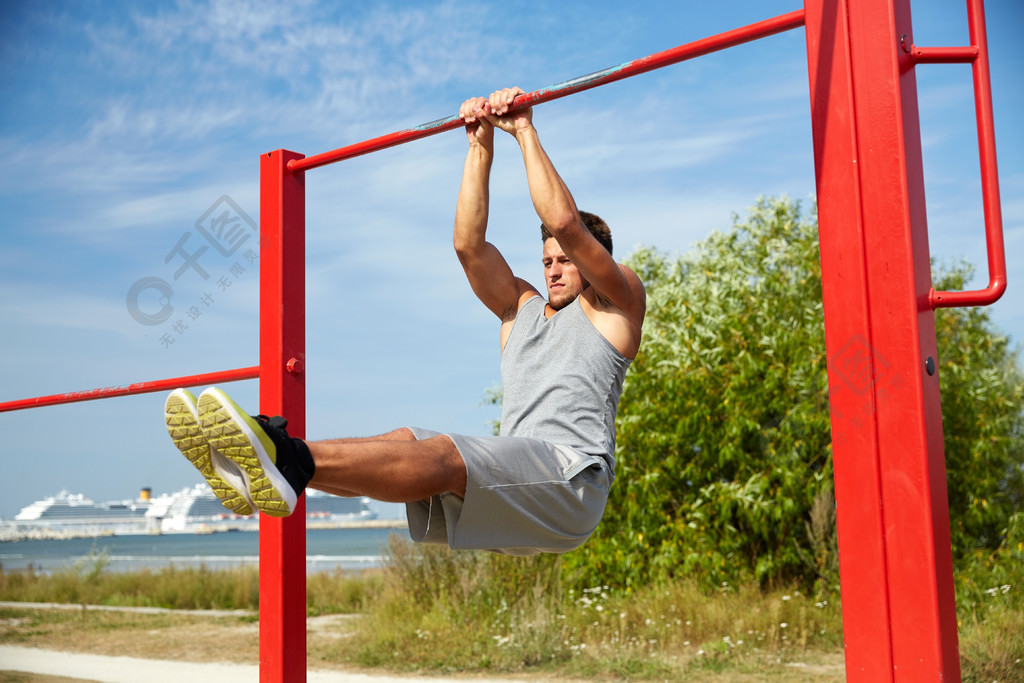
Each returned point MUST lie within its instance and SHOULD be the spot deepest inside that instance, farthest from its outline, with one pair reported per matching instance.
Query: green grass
(433, 610)
(441, 611)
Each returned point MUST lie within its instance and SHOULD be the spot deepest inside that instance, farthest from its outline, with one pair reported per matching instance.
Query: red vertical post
(283, 392)
(899, 617)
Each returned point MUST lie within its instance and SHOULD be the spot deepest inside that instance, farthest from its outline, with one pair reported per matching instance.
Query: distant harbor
(193, 510)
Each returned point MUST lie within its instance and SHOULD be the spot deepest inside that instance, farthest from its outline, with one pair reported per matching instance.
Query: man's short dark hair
(597, 227)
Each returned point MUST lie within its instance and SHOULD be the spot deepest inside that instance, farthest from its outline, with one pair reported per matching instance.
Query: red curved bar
(977, 55)
(721, 41)
(138, 388)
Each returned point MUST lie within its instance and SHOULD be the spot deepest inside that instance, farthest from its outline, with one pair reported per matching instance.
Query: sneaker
(276, 466)
(225, 479)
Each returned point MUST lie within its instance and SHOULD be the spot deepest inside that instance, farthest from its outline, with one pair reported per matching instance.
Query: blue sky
(123, 124)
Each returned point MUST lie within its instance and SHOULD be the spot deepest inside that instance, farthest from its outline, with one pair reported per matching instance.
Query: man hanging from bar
(542, 485)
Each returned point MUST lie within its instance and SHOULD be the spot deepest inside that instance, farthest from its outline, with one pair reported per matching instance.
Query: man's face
(563, 280)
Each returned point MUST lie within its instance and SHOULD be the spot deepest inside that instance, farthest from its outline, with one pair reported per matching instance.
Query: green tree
(725, 461)
(982, 400)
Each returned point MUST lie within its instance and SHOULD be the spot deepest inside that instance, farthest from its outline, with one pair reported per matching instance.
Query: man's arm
(615, 285)
(489, 274)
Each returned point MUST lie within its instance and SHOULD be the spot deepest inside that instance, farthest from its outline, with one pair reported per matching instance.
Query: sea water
(326, 550)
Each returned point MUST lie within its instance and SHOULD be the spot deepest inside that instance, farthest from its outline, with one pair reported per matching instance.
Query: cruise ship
(191, 510)
(73, 511)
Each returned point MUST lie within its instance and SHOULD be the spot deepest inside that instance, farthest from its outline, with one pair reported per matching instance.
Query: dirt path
(109, 669)
(73, 655)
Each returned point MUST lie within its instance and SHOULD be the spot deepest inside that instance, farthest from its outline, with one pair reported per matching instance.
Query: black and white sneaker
(276, 467)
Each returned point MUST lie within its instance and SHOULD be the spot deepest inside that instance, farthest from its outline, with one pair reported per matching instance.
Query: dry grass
(435, 612)
(188, 637)
(202, 638)
(477, 613)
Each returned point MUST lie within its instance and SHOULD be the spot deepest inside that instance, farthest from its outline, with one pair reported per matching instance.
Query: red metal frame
(896, 564)
(283, 392)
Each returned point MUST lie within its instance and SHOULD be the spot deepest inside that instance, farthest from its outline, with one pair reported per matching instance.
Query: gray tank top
(561, 380)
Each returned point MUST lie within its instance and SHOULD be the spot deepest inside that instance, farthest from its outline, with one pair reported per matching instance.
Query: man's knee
(400, 434)
(452, 462)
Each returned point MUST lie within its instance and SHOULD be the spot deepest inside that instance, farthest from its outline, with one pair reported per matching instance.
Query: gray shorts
(523, 496)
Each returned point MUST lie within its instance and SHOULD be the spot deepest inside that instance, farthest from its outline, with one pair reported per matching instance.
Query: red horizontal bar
(138, 388)
(721, 41)
(944, 55)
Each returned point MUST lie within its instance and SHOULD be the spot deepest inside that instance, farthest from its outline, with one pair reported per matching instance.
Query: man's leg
(393, 467)
(400, 469)
(402, 434)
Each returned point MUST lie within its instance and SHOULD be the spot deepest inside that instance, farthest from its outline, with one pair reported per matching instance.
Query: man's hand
(483, 114)
(498, 105)
(479, 130)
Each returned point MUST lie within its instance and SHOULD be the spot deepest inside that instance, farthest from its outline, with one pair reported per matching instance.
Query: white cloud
(181, 208)
(60, 308)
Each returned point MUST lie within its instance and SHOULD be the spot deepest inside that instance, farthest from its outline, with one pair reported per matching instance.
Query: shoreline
(12, 535)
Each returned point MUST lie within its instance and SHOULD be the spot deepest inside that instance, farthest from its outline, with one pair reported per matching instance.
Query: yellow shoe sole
(182, 419)
(242, 440)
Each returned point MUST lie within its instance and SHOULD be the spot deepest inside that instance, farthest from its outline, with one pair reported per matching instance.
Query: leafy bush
(723, 431)
(724, 444)
(982, 401)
